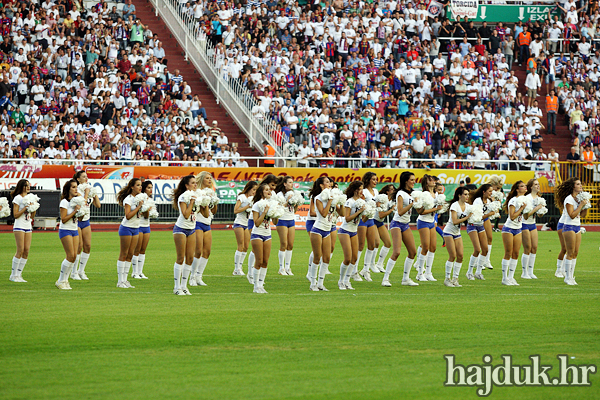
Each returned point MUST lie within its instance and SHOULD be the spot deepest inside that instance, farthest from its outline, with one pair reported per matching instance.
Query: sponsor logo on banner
(21, 171)
(43, 183)
(465, 8)
(434, 8)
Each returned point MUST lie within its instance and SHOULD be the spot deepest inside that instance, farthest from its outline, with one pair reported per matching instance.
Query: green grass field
(100, 342)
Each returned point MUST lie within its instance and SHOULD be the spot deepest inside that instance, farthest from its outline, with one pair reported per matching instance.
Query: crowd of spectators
(91, 84)
(343, 79)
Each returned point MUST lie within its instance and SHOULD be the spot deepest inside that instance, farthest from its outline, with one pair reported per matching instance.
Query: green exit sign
(510, 13)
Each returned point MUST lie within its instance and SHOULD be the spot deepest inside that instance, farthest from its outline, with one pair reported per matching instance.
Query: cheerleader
(22, 230)
(84, 227)
(337, 214)
(320, 235)
(530, 233)
(380, 216)
(139, 256)
(286, 225)
(476, 231)
(511, 232)
(401, 232)
(427, 233)
(129, 231)
(347, 234)
(439, 190)
(562, 255)
(261, 237)
(184, 234)
(242, 209)
(566, 195)
(204, 216)
(367, 231)
(270, 180)
(68, 233)
(496, 183)
(459, 213)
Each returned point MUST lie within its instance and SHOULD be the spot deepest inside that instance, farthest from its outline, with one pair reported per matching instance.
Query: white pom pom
(186, 196)
(370, 209)
(529, 207)
(276, 210)
(498, 195)
(440, 200)
(31, 202)
(338, 197)
(295, 198)
(476, 211)
(541, 201)
(428, 200)
(585, 196)
(4, 207)
(542, 211)
(418, 199)
(325, 195)
(140, 198)
(153, 213)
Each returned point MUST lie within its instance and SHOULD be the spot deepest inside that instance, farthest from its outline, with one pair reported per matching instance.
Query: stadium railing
(237, 100)
(589, 175)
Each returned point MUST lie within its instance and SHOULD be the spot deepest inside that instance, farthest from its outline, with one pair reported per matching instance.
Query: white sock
(201, 266)
(281, 259)
(255, 274)
(121, 271)
(358, 259)
(457, 267)
(531, 263)
(127, 265)
(560, 264)
(389, 268)
(472, 264)
(573, 264)
(449, 265)
(481, 261)
(419, 251)
(77, 262)
(312, 273)
(368, 256)
(134, 264)
(567, 265)
(185, 276)
(236, 260)
(429, 262)
(242, 259)
(22, 263)
(512, 266)
(177, 268)
(15, 267)
(141, 260)
(343, 269)
(487, 258)
(407, 266)
(349, 273)
(505, 265)
(84, 260)
(251, 260)
(195, 263)
(311, 258)
(64, 269)
(262, 273)
(421, 262)
(382, 255)
(322, 270)
(524, 262)
(69, 269)
(288, 259)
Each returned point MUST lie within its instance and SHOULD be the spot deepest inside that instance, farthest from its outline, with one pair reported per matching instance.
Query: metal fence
(589, 175)
(236, 98)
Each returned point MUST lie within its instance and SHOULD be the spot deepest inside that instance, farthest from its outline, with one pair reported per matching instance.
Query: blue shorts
(333, 228)
(403, 226)
(318, 231)
(264, 238)
(289, 223)
(345, 232)
(235, 226)
(309, 225)
(425, 225)
(144, 229)
(473, 228)
(571, 228)
(202, 227)
(560, 226)
(125, 231)
(180, 231)
(250, 224)
(21, 230)
(368, 224)
(378, 224)
(449, 235)
(513, 232)
(529, 227)
(83, 224)
(66, 232)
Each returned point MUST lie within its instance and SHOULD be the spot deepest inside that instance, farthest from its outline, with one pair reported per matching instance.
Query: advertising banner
(385, 175)
(464, 8)
(44, 184)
